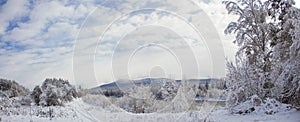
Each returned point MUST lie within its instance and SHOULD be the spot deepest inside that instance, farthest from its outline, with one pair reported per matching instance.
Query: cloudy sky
(95, 42)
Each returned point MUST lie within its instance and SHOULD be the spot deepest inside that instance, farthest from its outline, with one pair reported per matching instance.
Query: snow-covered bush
(5, 102)
(97, 100)
(134, 105)
(171, 97)
(258, 106)
(168, 91)
(54, 92)
(15, 106)
(25, 100)
(137, 99)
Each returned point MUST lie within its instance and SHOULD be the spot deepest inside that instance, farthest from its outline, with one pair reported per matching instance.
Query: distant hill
(145, 81)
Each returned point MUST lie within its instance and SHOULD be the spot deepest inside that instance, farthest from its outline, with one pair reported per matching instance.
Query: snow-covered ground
(78, 110)
(285, 116)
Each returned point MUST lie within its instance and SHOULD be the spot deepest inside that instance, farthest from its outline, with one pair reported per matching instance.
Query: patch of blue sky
(31, 4)
(110, 3)
(75, 3)
(24, 19)
(48, 25)
(15, 23)
(2, 2)
(38, 53)
(11, 26)
(11, 46)
(1, 42)
(99, 2)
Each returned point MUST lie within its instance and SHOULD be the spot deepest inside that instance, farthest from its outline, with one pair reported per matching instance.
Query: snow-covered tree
(11, 88)
(267, 62)
(55, 92)
(184, 97)
(253, 65)
(35, 94)
(168, 91)
(286, 48)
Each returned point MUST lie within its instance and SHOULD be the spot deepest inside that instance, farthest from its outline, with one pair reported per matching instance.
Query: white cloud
(13, 9)
(35, 49)
(42, 16)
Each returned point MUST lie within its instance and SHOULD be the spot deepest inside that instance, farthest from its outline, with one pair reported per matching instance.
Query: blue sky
(38, 38)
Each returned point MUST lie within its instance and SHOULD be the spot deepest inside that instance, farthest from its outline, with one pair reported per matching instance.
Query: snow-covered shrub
(168, 91)
(184, 98)
(13, 107)
(255, 100)
(25, 100)
(258, 106)
(52, 96)
(232, 100)
(97, 100)
(5, 102)
(172, 98)
(137, 100)
(271, 106)
(130, 104)
(11, 88)
(54, 92)
(144, 99)
(158, 106)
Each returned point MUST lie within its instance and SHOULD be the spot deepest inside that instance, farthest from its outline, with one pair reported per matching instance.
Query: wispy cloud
(35, 36)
